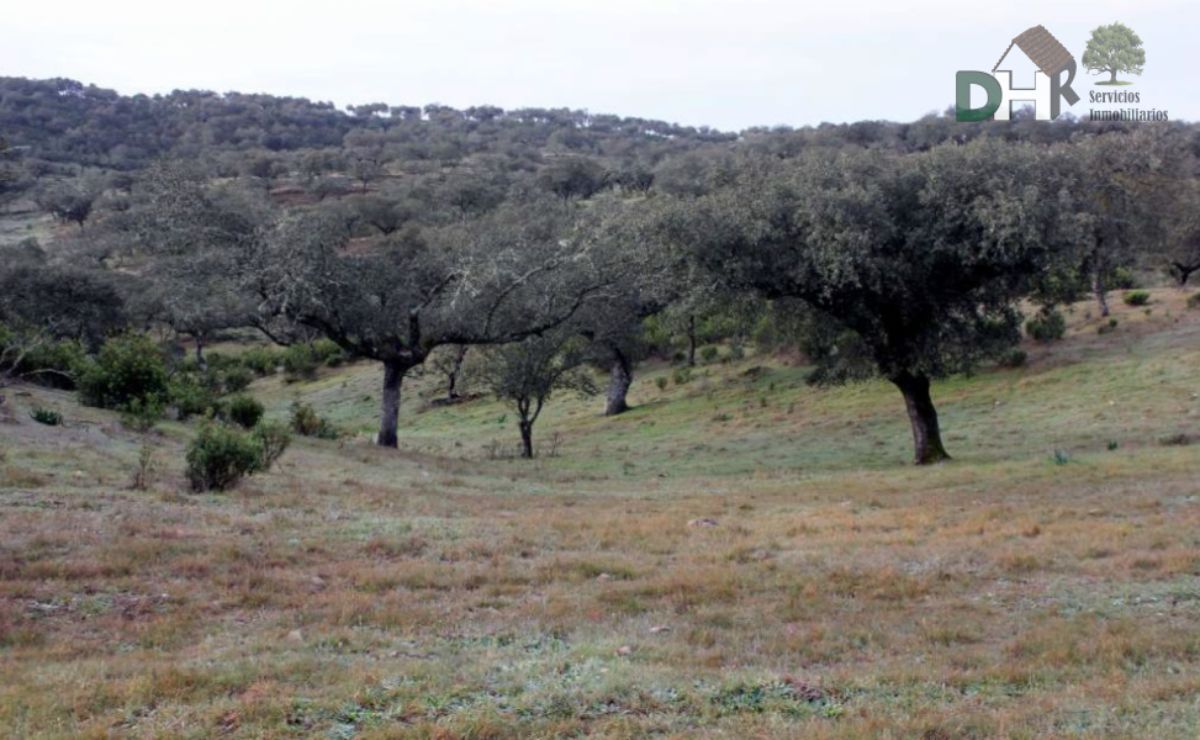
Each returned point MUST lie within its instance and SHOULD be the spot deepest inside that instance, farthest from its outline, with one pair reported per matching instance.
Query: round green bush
(129, 368)
(1137, 298)
(1047, 326)
(191, 397)
(245, 411)
(220, 456)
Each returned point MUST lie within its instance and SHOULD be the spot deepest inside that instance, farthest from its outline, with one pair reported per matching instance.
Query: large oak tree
(913, 264)
(519, 271)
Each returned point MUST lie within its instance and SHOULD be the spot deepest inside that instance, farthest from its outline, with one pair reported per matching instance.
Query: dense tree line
(557, 241)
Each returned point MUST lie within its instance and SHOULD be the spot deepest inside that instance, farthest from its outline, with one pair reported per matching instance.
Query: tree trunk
(1113, 74)
(1183, 272)
(927, 437)
(1101, 293)
(452, 376)
(389, 416)
(526, 439)
(691, 333)
(618, 386)
(200, 361)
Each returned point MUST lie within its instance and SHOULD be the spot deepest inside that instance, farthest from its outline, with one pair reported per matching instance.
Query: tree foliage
(1113, 49)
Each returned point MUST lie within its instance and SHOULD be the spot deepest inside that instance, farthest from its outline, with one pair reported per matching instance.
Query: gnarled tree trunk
(526, 439)
(618, 386)
(1184, 271)
(691, 335)
(1101, 293)
(460, 355)
(389, 413)
(927, 437)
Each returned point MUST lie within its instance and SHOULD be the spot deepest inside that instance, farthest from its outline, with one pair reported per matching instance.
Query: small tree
(1182, 238)
(448, 362)
(68, 202)
(528, 372)
(1114, 48)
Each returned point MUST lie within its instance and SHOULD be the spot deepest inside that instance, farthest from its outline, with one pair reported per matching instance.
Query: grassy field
(741, 555)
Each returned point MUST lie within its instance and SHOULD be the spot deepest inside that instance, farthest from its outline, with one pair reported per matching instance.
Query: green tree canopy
(1114, 48)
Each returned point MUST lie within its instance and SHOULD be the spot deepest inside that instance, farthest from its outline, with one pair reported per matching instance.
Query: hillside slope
(742, 551)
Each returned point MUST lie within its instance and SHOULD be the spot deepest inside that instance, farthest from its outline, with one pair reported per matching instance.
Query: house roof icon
(1045, 51)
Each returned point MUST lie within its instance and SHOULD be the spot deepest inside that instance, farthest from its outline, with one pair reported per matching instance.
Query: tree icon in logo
(1114, 48)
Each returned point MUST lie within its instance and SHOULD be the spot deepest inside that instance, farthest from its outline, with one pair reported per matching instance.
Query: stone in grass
(625, 650)
(703, 522)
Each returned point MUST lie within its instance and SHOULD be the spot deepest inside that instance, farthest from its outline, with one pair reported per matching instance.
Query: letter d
(962, 96)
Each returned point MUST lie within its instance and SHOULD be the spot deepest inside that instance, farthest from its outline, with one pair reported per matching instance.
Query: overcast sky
(702, 62)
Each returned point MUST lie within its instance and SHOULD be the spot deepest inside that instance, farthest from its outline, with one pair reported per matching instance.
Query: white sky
(702, 62)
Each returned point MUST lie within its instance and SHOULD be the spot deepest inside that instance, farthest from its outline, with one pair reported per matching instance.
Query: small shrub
(307, 423)
(1193, 300)
(192, 397)
(1110, 327)
(141, 415)
(245, 411)
(737, 351)
(1113, 445)
(1137, 298)
(709, 353)
(300, 362)
(682, 375)
(220, 456)
(326, 352)
(1046, 326)
(236, 379)
(128, 369)
(1122, 279)
(1176, 440)
(1061, 457)
(661, 381)
(46, 416)
(143, 473)
(262, 360)
(1013, 358)
(273, 437)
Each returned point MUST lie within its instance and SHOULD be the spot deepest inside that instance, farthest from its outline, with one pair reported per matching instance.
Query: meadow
(741, 555)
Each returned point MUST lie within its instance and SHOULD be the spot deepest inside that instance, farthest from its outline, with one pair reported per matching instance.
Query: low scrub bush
(262, 360)
(1046, 326)
(142, 414)
(300, 362)
(1013, 358)
(245, 411)
(682, 375)
(1176, 440)
(190, 396)
(273, 439)
(1137, 298)
(46, 416)
(235, 379)
(129, 370)
(307, 423)
(1107, 328)
(220, 456)
(1123, 279)
(1193, 300)
(328, 353)
(709, 353)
